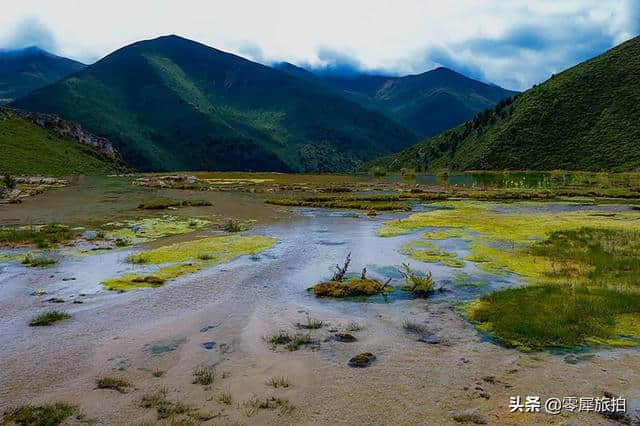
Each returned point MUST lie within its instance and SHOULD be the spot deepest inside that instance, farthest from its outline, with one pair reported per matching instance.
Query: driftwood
(387, 282)
(338, 276)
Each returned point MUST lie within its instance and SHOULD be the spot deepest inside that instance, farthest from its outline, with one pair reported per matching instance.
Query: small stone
(362, 360)
(55, 300)
(345, 337)
(432, 340)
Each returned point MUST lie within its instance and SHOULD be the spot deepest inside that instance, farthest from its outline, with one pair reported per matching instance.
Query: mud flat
(200, 348)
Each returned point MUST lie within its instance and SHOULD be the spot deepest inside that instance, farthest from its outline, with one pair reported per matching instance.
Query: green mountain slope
(174, 104)
(427, 103)
(25, 70)
(28, 149)
(585, 118)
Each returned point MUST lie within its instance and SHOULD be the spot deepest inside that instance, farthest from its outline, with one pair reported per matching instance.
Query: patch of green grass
(233, 226)
(43, 415)
(196, 203)
(40, 236)
(113, 383)
(368, 203)
(49, 318)
(278, 382)
(158, 373)
(548, 315)
(160, 204)
(592, 294)
(204, 376)
(37, 261)
(56, 155)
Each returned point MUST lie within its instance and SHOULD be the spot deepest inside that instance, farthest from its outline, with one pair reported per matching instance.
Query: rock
(207, 328)
(362, 360)
(490, 379)
(39, 292)
(345, 337)
(55, 300)
(469, 417)
(432, 340)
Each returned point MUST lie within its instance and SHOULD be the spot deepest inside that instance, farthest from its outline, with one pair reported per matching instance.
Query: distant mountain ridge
(25, 70)
(427, 103)
(584, 118)
(175, 104)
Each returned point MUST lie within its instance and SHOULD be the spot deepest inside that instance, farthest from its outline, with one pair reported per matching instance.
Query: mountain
(36, 145)
(585, 118)
(427, 103)
(175, 104)
(24, 70)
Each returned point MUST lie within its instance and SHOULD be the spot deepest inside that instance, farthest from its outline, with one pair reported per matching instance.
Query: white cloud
(399, 36)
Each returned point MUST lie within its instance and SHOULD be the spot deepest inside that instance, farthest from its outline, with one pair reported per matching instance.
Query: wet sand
(235, 305)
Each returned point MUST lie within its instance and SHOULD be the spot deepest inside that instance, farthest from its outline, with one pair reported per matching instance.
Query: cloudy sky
(512, 43)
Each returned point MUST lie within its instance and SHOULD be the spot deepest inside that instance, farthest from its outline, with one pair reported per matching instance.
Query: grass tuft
(38, 261)
(49, 318)
(278, 382)
(43, 415)
(225, 397)
(113, 383)
(204, 376)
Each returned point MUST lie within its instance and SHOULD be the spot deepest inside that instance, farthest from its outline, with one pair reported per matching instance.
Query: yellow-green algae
(426, 251)
(152, 228)
(188, 257)
(583, 268)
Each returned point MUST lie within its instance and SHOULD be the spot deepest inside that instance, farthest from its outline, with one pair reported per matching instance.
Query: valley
(241, 267)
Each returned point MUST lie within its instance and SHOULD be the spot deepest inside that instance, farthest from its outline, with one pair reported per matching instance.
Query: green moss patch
(166, 203)
(351, 288)
(549, 315)
(149, 229)
(582, 267)
(188, 257)
(591, 293)
(426, 251)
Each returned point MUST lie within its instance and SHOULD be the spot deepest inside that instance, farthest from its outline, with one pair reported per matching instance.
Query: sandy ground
(235, 305)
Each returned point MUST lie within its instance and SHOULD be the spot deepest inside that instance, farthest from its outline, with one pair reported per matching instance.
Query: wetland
(268, 298)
